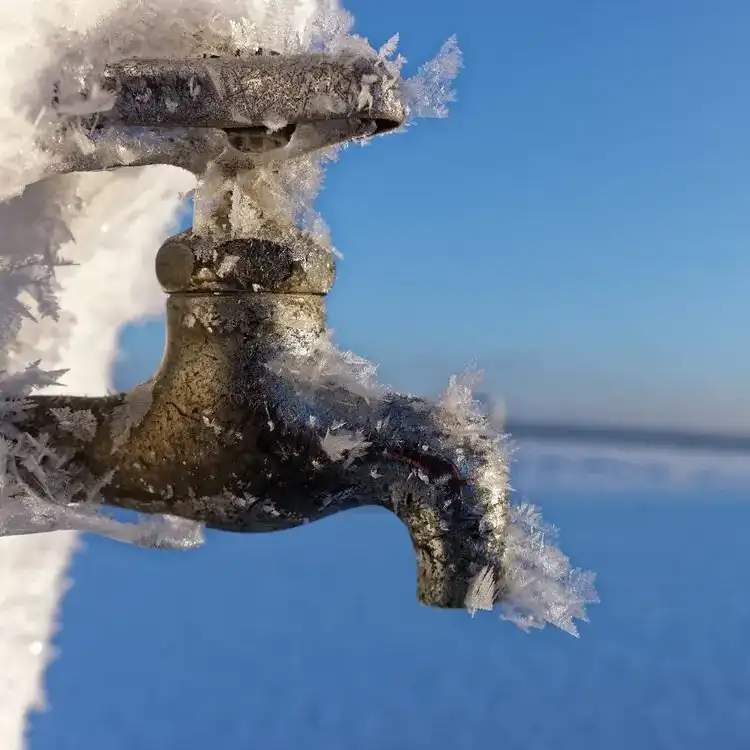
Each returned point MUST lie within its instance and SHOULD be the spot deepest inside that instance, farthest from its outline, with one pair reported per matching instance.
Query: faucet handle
(265, 92)
(241, 111)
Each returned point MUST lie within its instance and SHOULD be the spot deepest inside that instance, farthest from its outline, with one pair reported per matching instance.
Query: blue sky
(577, 227)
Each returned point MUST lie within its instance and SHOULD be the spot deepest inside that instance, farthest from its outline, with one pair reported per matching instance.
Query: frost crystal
(81, 424)
(129, 414)
(542, 585)
(481, 594)
(344, 445)
(429, 92)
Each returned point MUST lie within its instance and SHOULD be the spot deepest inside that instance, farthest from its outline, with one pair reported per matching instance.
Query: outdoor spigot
(233, 431)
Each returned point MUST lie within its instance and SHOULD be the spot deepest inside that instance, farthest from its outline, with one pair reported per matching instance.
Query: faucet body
(231, 431)
(223, 435)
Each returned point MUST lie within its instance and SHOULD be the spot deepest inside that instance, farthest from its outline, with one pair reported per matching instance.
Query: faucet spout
(456, 538)
(449, 531)
(244, 429)
(437, 466)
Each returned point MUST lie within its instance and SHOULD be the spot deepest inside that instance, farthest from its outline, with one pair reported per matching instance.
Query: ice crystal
(342, 445)
(481, 594)
(129, 414)
(81, 424)
(430, 91)
(542, 587)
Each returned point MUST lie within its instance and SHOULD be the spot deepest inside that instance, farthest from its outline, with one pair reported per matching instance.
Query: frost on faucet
(255, 420)
(37, 488)
(521, 569)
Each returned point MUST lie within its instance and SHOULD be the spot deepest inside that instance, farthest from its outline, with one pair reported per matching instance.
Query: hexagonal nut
(292, 263)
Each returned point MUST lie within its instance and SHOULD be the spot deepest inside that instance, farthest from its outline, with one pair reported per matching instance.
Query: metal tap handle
(245, 111)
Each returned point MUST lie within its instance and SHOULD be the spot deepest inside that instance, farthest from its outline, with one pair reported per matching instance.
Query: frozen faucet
(249, 424)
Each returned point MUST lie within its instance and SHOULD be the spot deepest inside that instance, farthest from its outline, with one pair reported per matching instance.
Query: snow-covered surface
(32, 580)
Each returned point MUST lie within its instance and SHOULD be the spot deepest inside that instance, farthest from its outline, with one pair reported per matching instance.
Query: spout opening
(438, 587)
(446, 539)
(385, 125)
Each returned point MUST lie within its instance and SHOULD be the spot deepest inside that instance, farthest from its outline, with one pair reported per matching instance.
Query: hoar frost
(542, 587)
(341, 445)
(129, 414)
(82, 424)
(533, 581)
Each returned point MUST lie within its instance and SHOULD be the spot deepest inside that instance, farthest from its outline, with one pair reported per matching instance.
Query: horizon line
(608, 434)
